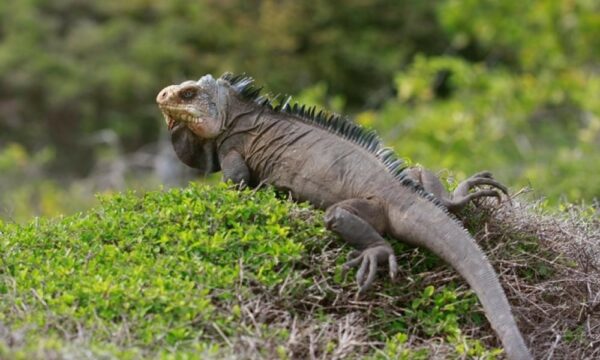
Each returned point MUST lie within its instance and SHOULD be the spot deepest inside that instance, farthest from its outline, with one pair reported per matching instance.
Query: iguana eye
(187, 94)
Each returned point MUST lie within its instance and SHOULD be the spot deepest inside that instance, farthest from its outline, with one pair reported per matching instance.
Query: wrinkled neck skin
(238, 118)
(230, 108)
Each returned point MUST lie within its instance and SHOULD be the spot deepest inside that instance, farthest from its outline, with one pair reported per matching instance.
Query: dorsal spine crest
(334, 123)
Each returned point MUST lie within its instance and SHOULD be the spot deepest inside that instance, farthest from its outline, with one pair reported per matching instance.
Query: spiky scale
(286, 102)
(319, 117)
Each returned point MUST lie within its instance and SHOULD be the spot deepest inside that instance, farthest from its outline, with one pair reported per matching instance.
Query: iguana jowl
(223, 124)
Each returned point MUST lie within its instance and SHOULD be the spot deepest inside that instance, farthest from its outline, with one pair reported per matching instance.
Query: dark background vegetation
(511, 86)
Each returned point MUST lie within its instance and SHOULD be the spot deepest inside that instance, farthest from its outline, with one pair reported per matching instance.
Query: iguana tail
(425, 224)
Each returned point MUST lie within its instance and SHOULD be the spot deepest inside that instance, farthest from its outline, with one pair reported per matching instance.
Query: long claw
(353, 254)
(488, 181)
(486, 193)
(483, 174)
(498, 198)
(360, 275)
(352, 263)
(371, 276)
(393, 264)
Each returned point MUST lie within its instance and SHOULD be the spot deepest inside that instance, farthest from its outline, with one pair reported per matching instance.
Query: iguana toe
(459, 202)
(487, 193)
(353, 254)
(463, 194)
(489, 181)
(393, 265)
(483, 174)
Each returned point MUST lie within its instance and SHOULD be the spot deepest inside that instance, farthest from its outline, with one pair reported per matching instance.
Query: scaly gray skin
(336, 166)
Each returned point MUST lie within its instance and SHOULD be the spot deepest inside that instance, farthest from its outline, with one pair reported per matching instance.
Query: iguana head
(192, 113)
(195, 105)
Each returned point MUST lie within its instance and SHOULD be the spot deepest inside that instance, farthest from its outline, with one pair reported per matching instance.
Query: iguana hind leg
(360, 222)
(462, 195)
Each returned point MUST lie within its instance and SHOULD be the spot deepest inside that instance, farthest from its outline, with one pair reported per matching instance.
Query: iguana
(366, 191)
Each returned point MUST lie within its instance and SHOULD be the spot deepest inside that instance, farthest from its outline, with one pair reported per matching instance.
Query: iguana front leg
(462, 195)
(235, 169)
(360, 222)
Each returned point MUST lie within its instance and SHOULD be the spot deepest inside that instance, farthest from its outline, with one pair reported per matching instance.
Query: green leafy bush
(170, 273)
(136, 262)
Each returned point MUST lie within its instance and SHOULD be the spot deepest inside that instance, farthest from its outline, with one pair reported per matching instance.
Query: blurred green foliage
(24, 190)
(70, 67)
(511, 86)
(522, 97)
(529, 128)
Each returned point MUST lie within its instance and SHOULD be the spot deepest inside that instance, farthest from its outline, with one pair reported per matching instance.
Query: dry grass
(550, 267)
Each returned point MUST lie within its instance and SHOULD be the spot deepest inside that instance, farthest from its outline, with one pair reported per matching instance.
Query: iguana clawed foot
(369, 259)
(359, 222)
(466, 192)
(462, 195)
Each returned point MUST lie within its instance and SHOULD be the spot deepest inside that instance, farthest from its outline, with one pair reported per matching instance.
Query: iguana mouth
(170, 121)
(175, 114)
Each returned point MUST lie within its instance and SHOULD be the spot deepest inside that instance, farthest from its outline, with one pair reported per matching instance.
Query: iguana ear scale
(207, 81)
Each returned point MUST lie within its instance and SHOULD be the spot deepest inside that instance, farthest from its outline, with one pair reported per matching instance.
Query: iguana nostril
(162, 95)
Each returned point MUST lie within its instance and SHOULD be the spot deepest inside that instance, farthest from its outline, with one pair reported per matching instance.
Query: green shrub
(160, 265)
(173, 273)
